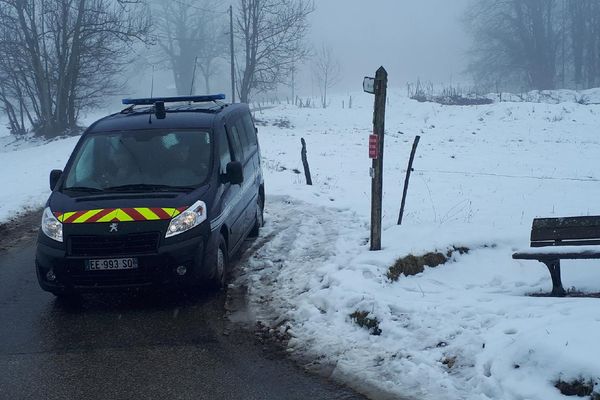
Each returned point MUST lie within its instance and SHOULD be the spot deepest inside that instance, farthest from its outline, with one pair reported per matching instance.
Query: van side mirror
(234, 173)
(55, 175)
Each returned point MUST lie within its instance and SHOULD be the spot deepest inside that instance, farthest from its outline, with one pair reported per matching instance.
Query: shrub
(413, 265)
(362, 319)
(578, 387)
(450, 95)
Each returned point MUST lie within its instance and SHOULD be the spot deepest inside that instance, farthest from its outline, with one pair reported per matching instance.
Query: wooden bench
(555, 239)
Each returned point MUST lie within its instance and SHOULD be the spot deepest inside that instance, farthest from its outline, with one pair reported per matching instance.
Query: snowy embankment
(463, 330)
(24, 176)
(466, 329)
(25, 167)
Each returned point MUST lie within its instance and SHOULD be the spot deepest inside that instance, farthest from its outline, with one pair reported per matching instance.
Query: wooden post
(407, 179)
(305, 163)
(377, 178)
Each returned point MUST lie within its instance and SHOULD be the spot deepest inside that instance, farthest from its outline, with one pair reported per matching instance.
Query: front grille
(114, 245)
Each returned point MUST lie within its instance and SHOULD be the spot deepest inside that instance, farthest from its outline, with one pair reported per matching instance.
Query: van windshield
(138, 160)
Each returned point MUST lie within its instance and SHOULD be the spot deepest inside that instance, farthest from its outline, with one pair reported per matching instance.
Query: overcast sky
(410, 38)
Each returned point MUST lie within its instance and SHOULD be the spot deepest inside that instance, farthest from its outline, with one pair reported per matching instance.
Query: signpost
(378, 87)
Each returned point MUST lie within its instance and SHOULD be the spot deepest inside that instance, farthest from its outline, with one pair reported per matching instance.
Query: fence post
(380, 91)
(407, 179)
(305, 163)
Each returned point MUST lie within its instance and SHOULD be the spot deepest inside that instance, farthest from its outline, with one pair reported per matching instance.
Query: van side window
(236, 145)
(224, 151)
(239, 126)
(250, 132)
(84, 163)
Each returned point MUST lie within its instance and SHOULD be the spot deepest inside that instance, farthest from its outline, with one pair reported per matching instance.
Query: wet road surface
(177, 346)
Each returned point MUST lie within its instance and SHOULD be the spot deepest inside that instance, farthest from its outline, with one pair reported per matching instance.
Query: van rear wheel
(259, 221)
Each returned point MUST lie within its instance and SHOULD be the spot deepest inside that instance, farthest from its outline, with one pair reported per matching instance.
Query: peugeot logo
(114, 227)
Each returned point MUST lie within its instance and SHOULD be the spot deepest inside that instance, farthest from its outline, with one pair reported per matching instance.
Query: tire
(218, 277)
(259, 220)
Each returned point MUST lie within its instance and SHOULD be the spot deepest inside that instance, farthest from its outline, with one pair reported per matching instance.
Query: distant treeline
(535, 44)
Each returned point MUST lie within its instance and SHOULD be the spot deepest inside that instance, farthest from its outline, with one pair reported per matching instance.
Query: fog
(410, 38)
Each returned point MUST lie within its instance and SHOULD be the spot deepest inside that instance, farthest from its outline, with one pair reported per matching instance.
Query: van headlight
(51, 226)
(190, 218)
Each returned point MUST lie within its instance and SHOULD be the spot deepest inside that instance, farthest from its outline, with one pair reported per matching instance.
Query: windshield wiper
(149, 187)
(83, 189)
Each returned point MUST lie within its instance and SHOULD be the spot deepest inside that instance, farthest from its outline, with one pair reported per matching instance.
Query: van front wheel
(218, 277)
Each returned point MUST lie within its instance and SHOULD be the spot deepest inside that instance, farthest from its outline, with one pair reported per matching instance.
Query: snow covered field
(466, 329)
(463, 330)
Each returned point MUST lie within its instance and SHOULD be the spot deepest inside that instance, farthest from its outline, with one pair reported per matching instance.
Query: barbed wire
(506, 175)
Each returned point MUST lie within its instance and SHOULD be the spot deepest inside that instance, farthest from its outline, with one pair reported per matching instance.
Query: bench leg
(554, 268)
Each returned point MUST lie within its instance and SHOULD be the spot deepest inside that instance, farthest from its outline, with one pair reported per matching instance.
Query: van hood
(123, 207)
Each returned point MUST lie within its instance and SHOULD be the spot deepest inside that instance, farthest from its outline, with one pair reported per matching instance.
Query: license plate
(111, 264)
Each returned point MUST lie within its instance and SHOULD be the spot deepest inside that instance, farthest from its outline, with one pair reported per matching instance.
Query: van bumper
(155, 271)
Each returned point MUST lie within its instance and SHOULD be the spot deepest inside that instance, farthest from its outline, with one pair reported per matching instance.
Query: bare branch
(272, 34)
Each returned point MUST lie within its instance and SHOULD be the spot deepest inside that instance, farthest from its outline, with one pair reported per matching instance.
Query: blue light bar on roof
(193, 99)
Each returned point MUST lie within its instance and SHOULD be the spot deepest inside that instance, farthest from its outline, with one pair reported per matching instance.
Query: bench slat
(562, 233)
(562, 256)
(562, 252)
(552, 243)
(566, 228)
(545, 223)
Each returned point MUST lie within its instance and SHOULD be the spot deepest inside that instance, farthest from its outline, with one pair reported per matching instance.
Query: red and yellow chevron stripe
(118, 215)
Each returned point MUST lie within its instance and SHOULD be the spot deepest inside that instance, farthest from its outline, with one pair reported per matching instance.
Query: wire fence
(464, 173)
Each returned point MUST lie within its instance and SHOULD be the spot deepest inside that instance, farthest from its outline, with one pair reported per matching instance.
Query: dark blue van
(160, 194)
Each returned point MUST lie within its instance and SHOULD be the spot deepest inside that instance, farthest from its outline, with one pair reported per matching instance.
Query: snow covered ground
(466, 329)
(463, 330)
(24, 173)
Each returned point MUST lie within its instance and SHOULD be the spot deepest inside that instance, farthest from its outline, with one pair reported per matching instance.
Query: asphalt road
(177, 346)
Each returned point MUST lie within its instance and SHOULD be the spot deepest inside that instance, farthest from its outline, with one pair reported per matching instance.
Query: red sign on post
(373, 147)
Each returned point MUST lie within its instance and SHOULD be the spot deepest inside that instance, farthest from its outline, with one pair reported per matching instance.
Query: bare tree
(272, 33)
(584, 26)
(59, 57)
(516, 40)
(536, 43)
(578, 13)
(190, 31)
(327, 72)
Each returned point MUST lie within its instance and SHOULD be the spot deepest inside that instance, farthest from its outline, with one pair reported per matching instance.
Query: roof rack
(192, 99)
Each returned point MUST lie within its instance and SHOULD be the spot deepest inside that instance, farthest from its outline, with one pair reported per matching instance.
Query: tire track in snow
(297, 240)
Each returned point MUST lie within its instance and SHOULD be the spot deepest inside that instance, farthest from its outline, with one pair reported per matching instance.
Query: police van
(162, 193)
